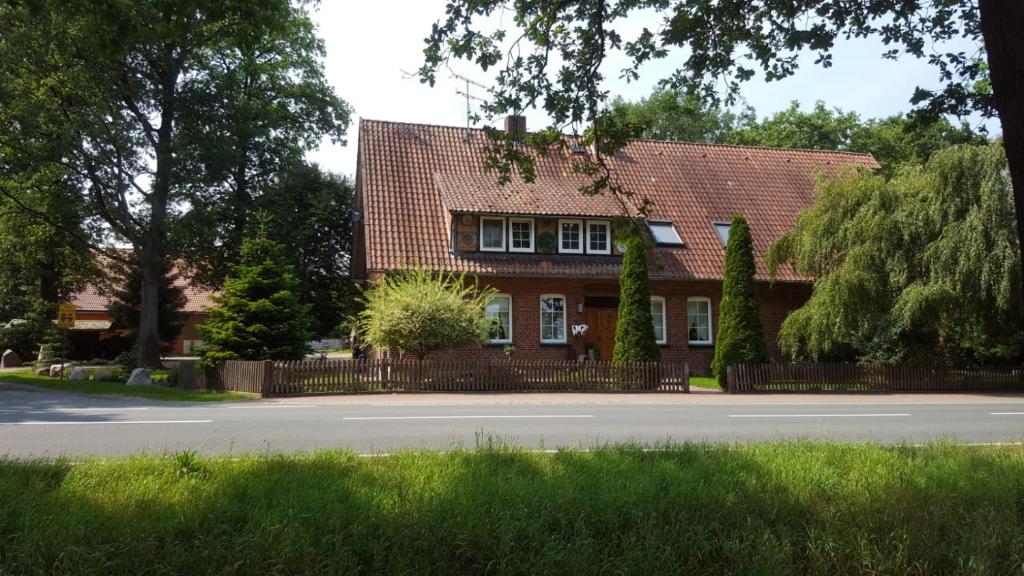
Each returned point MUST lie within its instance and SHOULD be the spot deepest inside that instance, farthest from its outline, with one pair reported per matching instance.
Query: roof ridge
(815, 151)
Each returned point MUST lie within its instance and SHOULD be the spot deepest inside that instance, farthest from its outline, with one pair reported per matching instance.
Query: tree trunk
(154, 243)
(1001, 27)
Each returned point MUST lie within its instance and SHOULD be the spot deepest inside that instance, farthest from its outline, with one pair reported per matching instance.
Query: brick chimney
(515, 125)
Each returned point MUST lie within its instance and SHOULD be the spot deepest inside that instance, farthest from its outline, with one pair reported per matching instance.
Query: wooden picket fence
(381, 375)
(338, 376)
(871, 378)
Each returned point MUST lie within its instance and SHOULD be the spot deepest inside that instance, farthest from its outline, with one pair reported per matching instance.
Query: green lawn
(794, 508)
(704, 382)
(120, 389)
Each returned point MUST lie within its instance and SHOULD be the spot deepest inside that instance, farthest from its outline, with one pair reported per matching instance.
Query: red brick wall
(776, 302)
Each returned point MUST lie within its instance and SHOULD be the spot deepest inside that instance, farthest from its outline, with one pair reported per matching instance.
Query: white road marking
(815, 415)
(80, 422)
(469, 417)
(1007, 413)
(274, 406)
(99, 409)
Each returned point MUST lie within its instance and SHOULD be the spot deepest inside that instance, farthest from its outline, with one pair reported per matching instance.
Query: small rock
(43, 371)
(10, 360)
(140, 377)
(78, 374)
(103, 375)
(56, 370)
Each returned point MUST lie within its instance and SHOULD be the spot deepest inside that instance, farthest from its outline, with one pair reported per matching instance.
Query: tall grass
(797, 508)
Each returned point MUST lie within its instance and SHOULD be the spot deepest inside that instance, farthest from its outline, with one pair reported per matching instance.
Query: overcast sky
(371, 43)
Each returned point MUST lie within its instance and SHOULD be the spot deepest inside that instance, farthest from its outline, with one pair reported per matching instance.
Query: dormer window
(570, 236)
(599, 237)
(520, 232)
(664, 234)
(492, 234)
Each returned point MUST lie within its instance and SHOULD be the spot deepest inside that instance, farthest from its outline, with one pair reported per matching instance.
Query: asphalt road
(39, 423)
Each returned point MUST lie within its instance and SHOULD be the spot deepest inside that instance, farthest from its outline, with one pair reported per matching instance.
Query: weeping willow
(920, 267)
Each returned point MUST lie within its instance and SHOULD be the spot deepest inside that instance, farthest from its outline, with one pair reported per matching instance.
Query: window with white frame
(698, 320)
(722, 229)
(552, 319)
(520, 235)
(499, 310)
(658, 318)
(599, 237)
(492, 234)
(570, 236)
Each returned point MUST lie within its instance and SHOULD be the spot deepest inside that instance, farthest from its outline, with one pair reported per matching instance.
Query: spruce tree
(126, 301)
(259, 315)
(740, 334)
(634, 332)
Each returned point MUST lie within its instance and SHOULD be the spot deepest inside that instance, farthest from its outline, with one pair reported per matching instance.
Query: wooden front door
(601, 330)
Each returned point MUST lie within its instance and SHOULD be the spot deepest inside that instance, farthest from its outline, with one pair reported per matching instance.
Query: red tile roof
(94, 298)
(409, 175)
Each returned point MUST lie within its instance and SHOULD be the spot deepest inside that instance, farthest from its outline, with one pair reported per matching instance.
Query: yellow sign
(66, 315)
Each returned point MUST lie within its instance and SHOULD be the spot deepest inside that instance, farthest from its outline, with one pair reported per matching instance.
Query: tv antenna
(469, 100)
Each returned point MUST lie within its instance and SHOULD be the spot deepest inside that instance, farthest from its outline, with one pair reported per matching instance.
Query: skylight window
(723, 232)
(665, 234)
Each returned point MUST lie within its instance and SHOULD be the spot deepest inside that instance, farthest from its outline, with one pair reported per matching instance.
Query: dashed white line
(473, 417)
(86, 422)
(274, 406)
(1007, 413)
(890, 415)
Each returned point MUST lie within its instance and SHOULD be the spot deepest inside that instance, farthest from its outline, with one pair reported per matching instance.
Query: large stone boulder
(10, 360)
(57, 370)
(78, 374)
(140, 377)
(43, 371)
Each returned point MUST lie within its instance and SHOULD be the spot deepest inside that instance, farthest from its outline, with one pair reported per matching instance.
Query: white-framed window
(492, 234)
(552, 319)
(570, 236)
(499, 310)
(658, 317)
(520, 235)
(599, 237)
(698, 320)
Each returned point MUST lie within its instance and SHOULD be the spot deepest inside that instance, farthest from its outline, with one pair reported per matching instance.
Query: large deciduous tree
(129, 100)
(125, 307)
(556, 57)
(921, 267)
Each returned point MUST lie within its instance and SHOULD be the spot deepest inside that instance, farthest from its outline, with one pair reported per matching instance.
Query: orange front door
(601, 330)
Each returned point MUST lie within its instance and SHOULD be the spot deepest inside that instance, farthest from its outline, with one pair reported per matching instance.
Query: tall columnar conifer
(740, 333)
(634, 332)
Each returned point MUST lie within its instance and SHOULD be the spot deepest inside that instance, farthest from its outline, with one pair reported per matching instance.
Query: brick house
(425, 199)
(93, 337)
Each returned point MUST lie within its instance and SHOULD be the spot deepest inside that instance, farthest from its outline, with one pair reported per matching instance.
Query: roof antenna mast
(469, 98)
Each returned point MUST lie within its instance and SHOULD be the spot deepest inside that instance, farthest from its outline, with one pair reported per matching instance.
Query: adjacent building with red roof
(425, 199)
(93, 335)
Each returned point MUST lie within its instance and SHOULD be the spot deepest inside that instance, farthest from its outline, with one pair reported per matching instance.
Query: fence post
(730, 379)
(267, 382)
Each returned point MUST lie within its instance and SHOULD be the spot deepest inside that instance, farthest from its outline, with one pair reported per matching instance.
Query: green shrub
(23, 338)
(740, 334)
(634, 331)
(417, 312)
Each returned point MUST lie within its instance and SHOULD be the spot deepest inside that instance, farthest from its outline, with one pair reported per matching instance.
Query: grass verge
(120, 389)
(709, 382)
(794, 508)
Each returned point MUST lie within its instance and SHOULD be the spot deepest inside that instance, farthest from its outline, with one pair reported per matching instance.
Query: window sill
(554, 344)
(700, 345)
(497, 344)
